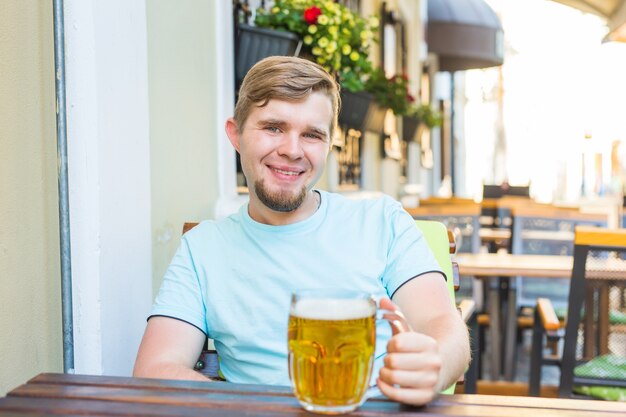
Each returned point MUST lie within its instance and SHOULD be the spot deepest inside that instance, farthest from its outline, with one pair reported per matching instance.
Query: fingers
(412, 361)
(412, 342)
(411, 369)
(412, 379)
(415, 387)
(406, 395)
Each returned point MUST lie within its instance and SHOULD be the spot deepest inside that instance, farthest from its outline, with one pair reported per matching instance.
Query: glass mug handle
(399, 324)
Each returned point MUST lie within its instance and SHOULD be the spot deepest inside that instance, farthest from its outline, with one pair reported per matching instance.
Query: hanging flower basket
(420, 118)
(360, 111)
(409, 127)
(254, 44)
(333, 35)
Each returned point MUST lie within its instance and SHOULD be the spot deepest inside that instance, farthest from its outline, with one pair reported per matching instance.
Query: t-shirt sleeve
(408, 253)
(181, 294)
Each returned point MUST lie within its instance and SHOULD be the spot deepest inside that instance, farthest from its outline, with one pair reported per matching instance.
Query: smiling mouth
(283, 172)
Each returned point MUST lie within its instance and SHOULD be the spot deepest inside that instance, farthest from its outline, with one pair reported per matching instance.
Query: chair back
(464, 221)
(595, 332)
(188, 226)
(461, 219)
(546, 230)
(436, 234)
(441, 243)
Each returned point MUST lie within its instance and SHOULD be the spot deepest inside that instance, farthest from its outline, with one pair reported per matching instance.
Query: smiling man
(231, 280)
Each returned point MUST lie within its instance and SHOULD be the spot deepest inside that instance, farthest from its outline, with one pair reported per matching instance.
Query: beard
(281, 201)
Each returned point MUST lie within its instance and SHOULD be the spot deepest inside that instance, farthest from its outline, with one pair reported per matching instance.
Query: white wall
(108, 152)
(30, 303)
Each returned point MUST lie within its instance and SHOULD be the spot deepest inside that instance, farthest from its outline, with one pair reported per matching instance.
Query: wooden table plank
(538, 402)
(445, 406)
(70, 395)
(208, 398)
(158, 384)
(74, 407)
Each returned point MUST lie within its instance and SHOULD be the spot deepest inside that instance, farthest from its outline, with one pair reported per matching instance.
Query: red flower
(310, 15)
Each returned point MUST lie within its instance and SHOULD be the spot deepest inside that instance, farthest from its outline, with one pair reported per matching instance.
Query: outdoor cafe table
(80, 395)
(493, 267)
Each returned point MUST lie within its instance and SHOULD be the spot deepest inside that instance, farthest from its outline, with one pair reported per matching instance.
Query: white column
(413, 163)
(370, 161)
(228, 201)
(390, 172)
(109, 179)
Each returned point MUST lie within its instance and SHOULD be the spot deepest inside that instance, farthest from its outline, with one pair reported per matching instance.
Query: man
(232, 279)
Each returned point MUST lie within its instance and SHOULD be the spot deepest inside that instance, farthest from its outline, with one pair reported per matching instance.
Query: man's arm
(169, 349)
(421, 363)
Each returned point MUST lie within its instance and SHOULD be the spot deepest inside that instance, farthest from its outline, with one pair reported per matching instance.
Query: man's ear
(233, 133)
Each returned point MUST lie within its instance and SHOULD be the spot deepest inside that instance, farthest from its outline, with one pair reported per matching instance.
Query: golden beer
(331, 351)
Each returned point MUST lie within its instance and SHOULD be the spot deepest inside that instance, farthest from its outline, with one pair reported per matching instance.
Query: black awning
(464, 34)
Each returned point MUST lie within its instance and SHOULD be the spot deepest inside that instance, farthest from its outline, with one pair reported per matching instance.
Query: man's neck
(263, 214)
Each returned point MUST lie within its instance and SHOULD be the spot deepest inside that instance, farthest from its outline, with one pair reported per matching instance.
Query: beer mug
(332, 339)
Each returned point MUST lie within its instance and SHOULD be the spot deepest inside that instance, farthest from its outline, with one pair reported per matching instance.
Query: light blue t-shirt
(233, 278)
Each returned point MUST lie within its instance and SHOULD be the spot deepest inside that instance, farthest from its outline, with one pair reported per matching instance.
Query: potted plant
(390, 92)
(393, 93)
(422, 115)
(336, 38)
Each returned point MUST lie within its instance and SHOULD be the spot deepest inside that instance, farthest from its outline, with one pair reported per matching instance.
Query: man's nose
(290, 146)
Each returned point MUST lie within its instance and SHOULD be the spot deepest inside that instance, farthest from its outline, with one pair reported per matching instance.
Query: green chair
(436, 235)
(442, 244)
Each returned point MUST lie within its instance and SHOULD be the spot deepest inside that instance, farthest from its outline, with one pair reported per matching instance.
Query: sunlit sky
(560, 84)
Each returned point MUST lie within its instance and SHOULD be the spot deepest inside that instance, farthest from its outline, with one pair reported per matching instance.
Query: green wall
(30, 306)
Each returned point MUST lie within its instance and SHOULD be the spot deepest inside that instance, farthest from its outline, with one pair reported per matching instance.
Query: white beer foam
(333, 309)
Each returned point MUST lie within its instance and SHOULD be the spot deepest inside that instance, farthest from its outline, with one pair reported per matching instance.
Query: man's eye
(272, 129)
(312, 136)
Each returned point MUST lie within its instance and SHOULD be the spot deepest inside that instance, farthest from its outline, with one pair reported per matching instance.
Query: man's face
(283, 148)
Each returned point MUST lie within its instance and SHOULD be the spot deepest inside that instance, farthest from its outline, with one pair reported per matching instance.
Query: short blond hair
(285, 78)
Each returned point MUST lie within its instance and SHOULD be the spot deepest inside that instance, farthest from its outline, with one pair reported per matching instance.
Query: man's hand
(411, 367)
(414, 370)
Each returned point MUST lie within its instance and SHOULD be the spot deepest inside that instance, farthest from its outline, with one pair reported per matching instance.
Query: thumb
(391, 313)
(386, 304)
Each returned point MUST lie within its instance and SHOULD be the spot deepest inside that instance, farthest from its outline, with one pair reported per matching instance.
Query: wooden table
(74, 395)
(507, 265)
(492, 268)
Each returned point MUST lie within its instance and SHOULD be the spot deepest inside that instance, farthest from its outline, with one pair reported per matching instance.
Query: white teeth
(285, 172)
